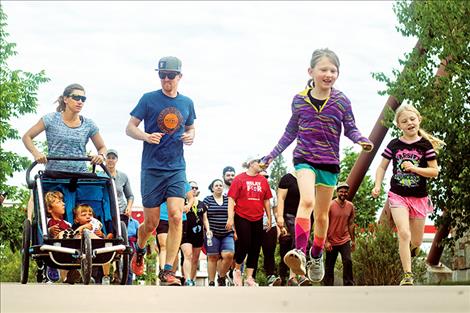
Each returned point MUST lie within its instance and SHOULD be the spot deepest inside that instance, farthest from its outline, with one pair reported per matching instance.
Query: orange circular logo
(170, 121)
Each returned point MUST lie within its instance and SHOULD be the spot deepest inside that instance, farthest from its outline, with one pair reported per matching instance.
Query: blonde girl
(414, 157)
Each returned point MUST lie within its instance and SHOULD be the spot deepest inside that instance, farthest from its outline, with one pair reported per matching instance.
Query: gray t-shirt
(64, 141)
(123, 189)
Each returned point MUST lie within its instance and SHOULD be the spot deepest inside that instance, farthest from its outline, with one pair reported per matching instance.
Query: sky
(242, 63)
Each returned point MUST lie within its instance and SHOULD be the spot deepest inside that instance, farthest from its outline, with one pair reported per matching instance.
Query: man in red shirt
(340, 236)
(248, 199)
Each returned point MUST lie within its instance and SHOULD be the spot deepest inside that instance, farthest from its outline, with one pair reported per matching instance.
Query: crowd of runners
(242, 215)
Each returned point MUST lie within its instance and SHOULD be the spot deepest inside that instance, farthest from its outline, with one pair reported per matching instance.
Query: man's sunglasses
(194, 187)
(78, 98)
(170, 75)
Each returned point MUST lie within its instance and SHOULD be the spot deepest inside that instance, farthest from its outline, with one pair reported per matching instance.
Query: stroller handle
(30, 181)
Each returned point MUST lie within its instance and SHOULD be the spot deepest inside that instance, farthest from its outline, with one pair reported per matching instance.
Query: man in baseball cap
(340, 236)
(168, 118)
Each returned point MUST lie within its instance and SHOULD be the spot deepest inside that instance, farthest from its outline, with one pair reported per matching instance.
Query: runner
(318, 114)
(414, 160)
(169, 123)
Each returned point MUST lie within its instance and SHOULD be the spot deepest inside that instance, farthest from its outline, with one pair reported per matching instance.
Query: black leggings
(268, 244)
(249, 240)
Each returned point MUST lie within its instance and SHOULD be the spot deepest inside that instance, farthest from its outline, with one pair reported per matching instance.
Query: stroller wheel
(86, 259)
(25, 251)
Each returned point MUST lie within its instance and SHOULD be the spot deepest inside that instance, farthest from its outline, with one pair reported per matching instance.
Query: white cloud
(242, 63)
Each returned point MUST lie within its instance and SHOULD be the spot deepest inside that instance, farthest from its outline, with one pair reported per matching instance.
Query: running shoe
(228, 281)
(168, 278)
(189, 282)
(52, 274)
(292, 282)
(295, 260)
(304, 281)
(407, 279)
(221, 281)
(237, 278)
(137, 262)
(250, 282)
(274, 280)
(211, 284)
(106, 280)
(315, 269)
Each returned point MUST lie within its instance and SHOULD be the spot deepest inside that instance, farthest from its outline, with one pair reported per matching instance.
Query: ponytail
(67, 92)
(436, 143)
(310, 83)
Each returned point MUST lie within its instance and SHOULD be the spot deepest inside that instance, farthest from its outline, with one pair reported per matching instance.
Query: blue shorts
(220, 244)
(322, 178)
(157, 185)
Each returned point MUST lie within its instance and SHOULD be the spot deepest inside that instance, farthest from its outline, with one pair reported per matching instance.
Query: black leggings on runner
(249, 240)
(268, 245)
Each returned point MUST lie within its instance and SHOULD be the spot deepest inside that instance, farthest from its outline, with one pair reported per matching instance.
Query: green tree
(278, 169)
(442, 28)
(366, 206)
(17, 97)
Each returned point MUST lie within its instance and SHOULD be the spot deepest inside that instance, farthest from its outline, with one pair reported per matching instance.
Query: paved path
(130, 299)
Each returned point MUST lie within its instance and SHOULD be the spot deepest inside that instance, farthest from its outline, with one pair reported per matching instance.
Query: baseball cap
(250, 159)
(169, 64)
(228, 169)
(112, 151)
(342, 185)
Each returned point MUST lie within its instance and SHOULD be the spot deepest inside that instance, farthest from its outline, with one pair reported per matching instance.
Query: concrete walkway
(100, 299)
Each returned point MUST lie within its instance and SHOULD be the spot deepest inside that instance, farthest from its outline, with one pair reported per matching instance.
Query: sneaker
(407, 279)
(73, 276)
(414, 251)
(228, 281)
(274, 280)
(52, 274)
(237, 278)
(250, 282)
(292, 282)
(315, 269)
(106, 280)
(221, 281)
(304, 281)
(211, 284)
(295, 260)
(189, 282)
(137, 262)
(168, 278)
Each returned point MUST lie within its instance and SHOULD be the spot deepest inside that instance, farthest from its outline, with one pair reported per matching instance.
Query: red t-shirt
(338, 228)
(249, 193)
(63, 225)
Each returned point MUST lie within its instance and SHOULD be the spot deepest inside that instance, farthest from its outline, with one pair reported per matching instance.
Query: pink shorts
(418, 207)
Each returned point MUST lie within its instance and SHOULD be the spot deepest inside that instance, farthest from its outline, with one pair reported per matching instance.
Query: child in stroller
(84, 219)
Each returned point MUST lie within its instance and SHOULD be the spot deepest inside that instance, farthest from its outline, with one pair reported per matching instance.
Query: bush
(376, 260)
(10, 265)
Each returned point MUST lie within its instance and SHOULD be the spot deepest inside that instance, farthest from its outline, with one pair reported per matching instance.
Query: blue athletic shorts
(157, 185)
(322, 178)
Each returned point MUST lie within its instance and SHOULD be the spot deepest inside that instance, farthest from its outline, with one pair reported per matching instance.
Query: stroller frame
(83, 253)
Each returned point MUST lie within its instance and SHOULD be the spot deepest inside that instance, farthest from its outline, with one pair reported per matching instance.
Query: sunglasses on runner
(78, 98)
(170, 75)
(194, 187)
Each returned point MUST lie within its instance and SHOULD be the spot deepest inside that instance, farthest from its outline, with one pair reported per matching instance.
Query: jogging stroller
(97, 190)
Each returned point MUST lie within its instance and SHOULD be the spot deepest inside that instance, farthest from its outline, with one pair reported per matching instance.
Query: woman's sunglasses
(170, 75)
(78, 98)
